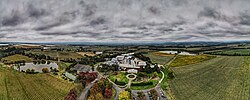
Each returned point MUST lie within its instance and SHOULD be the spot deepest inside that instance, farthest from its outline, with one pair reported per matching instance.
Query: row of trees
(106, 68)
(41, 62)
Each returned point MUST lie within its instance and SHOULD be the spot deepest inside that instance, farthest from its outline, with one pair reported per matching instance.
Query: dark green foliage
(119, 83)
(142, 84)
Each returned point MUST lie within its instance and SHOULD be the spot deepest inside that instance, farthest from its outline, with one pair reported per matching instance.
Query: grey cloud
(210, 13)
(36, 12)
(13, 19)
(115, 20)
(99, 20)
(245, 19)
(154, 10)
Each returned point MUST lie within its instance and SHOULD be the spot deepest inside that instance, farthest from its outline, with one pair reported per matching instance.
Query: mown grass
(158, 57)
(16, 57)
(62, 54)
(120, 77)
(233, 52)
(182, 60)
(146, 86)
(20, 86)
(222, 78)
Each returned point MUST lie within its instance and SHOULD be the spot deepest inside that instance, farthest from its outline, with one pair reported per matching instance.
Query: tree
(108, 92)
(28, 71)
(124, 95)
(45, 70)
(32, 71)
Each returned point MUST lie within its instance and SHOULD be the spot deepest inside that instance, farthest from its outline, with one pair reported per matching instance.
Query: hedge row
(142, 84)
(119, 82)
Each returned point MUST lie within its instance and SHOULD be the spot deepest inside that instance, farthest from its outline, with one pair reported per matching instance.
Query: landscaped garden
(119, 78)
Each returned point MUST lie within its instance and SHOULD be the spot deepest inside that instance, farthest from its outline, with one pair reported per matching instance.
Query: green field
(20, 86)
(62, 55)
(16, 57)
(232, 52)
(146, 86)
(221, 78)
(182, 60)
(160, 58)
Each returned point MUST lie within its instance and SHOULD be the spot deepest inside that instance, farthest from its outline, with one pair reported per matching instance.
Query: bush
(119, 83)
(142, 84)
(45, 70)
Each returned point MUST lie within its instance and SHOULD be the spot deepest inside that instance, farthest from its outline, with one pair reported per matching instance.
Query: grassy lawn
(225, 77)
(62, 55)
(182, 60)
(16, 57)
(20, 86)
(145, 87)
(158, 57)
(164, 84)
(63, 65)
(120, 77)
(233, 52)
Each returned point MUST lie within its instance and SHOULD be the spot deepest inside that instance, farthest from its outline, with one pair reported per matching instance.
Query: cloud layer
(124, 20)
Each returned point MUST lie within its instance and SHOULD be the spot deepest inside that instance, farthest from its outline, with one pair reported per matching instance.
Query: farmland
(160, 58)
(239, 52)
(20, 86)
(16, 57)
(182, 60)
(62, 55)
(223, 77)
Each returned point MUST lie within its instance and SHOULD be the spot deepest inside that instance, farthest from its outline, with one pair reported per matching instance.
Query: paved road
(83, 95)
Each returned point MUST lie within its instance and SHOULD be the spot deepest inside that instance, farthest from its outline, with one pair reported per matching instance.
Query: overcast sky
(124, 20)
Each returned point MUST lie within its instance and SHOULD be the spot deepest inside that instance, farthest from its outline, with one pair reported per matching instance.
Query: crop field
(233, 52)
(182, 60)
(62, 54)
(160, 58)
(16, 57)
(221, 78)
(20, 86)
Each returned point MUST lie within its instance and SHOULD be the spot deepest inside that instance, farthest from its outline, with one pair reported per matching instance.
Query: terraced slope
(222, 78)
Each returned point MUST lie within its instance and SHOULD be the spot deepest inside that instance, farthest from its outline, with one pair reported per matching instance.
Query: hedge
(142, 84)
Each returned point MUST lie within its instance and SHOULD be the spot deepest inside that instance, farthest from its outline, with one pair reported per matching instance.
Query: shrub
(142, 84)
(45, 70)
(119, 82)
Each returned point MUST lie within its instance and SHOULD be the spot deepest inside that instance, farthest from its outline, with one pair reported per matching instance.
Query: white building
(132, 71)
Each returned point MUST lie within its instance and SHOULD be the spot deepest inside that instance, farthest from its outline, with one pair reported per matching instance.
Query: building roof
(70, 76)
(81, 68)
(142, 63)
(132, 71)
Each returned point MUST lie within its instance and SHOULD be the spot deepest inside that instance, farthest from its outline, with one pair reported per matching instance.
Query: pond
(37, 67)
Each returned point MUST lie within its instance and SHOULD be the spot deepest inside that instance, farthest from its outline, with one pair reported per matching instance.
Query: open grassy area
(146, 86)
(232, 52)
(182, 60)
(120, 77)
(221, 78)
(62, 54)
(16, 57)
(63, 65)
(158, 57)
(20, 86)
